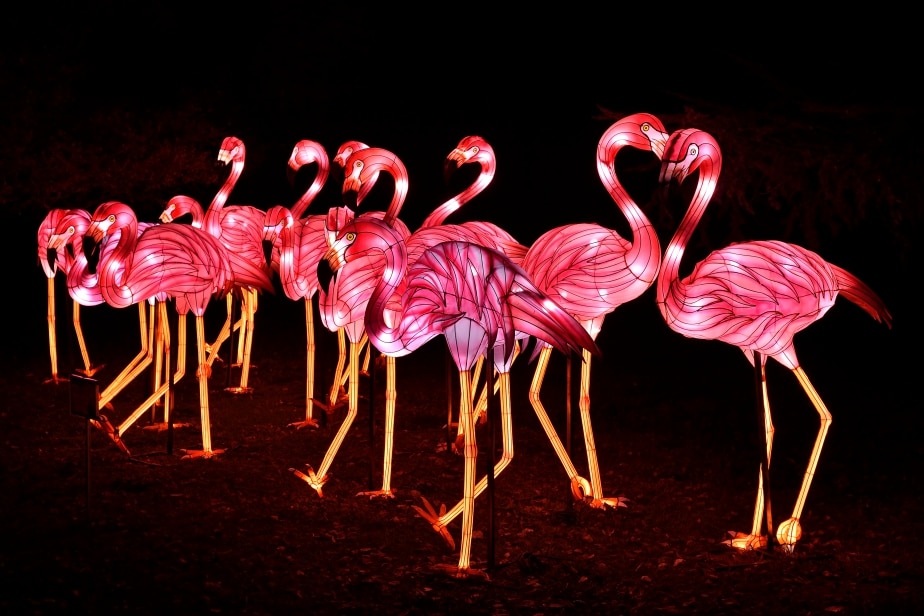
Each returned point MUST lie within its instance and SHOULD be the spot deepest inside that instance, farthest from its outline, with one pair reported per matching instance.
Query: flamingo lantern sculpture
(240, 229)
(342, 304)
(590, 271)
(298, 246)
(177, 262)
(756, 296)
(473, 296)
(344, 301)
(54, 259)
(83, 287)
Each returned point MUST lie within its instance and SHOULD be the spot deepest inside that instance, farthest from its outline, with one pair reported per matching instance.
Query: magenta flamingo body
(754, 295)
(473, 296)
(591, 270)
(54, 256)
(177, 262)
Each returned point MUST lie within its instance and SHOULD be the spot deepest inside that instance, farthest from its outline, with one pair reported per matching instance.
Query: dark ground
(818, 148)
(675, 428)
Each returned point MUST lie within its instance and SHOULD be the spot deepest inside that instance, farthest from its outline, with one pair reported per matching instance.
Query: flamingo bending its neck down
(473, 296)
(56, 257)
(177, 262)
(590, 271)
(756, 296)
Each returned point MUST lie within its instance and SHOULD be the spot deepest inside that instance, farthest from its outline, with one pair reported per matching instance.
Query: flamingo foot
(745, 541)
(458, 445)
(604, 503)
(57, 380)
(204, 369)
(431, 516)
(305, 423)
(311, 479)
(194, 454)
(163, 426)
(109, 430)
(239, 390)
(342, 399)
(93, 370)
(788, 533)
(378, 494)
(464, 573)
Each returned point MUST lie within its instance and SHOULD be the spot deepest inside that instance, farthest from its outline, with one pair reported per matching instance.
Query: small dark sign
(84, 394)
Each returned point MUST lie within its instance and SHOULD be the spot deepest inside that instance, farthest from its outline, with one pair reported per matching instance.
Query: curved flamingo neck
(377, 160)
(441, 213)
(319, 156)
(643, 255)
(673, 254)
(116, 265)
(213, 214)
(385, 337)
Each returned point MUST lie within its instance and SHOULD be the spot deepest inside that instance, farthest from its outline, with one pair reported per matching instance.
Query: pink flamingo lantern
(177, 262)
(590, 271)
(240, 230)
(756, 296)
(54, 258)
(475, 297)
(83, 287)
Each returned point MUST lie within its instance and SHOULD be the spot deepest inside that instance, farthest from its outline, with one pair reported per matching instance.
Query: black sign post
(84, 402)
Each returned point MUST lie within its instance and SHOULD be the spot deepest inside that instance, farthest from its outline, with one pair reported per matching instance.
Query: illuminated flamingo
(83, 287)
(590, 271)
(344, 302)
(475, 297)
(177, 262)
(753, 295)
(59, 259)
(240, 230)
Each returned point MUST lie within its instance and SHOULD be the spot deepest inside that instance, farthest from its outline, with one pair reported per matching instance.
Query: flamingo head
(346, 150)
(471, 149)
(688, 150)
(232, 150)
(180, 205)
(304, 153)
(110, 218)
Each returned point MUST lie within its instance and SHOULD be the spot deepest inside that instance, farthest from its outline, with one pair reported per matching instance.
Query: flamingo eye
(474, 150)
(112, 218)
(694, 150)
(646, 127)
(71, 230)
(350, 236)
(358, 164)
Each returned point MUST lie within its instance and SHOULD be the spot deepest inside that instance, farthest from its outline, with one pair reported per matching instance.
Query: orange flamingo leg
(790, 531)
(245, 340)
(337, 395)
(317, 479)
(756, 539)
(390, 397)
(440, 522)
(52, 338)
(202, 375)
(309, 421)
(140, 362)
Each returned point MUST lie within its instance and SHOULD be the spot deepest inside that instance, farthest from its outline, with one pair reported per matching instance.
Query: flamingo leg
(245, 340)
(116, 433)
(466, 417)
(141, 361)
(756, 539)
(88, 368)
(439, 523)
(598, 501)
(52, 337)
(317, 479)
(790, 531)
(390, 398)
(580, 487)
(336, 396)
(309, 420)
(202, 375)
